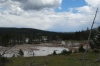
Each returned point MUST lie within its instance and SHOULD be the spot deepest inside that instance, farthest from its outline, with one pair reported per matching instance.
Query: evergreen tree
(3, 61)
(96, 40)
(81, 49)
(21, 53)
(54, 53)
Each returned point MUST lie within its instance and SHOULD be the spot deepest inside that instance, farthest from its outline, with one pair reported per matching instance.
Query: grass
(57, 60)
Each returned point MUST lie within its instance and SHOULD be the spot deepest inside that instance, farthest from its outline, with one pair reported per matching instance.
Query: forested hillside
(12, 36)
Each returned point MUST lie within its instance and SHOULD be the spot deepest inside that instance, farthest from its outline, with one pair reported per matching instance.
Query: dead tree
(89, 38)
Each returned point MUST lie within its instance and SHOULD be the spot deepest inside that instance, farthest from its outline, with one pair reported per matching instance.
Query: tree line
(13, 36)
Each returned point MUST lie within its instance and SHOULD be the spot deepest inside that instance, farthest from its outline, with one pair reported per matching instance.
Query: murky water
(41, 51)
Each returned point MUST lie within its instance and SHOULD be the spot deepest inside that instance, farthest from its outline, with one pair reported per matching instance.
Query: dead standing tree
(3, 60)
(89, 38)
(32, 62)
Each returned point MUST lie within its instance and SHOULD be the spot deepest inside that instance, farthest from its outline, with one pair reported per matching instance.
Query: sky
(50, 15)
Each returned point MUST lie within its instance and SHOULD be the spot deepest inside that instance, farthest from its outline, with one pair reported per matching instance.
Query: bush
(13, 55)
(54, 53)
(81, 49)
(75, 51)
(65, 52)
(21, 53)
(96, 51)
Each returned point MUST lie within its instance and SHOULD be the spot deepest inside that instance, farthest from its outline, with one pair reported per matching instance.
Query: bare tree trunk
(89, 38)
(31, 63)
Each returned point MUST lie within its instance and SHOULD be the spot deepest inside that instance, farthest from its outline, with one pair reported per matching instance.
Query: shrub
(21, 53)
(81, 49)
(13, 55)
(96, 51)
(54, 53)
(65, 52)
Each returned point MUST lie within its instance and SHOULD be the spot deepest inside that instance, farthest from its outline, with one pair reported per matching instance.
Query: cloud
(41, 14)
(2, 1)
(93, 3)
(38, 4)
(20, 18)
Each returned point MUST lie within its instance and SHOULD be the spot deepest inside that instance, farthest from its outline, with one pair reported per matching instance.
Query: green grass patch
(56, 60)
